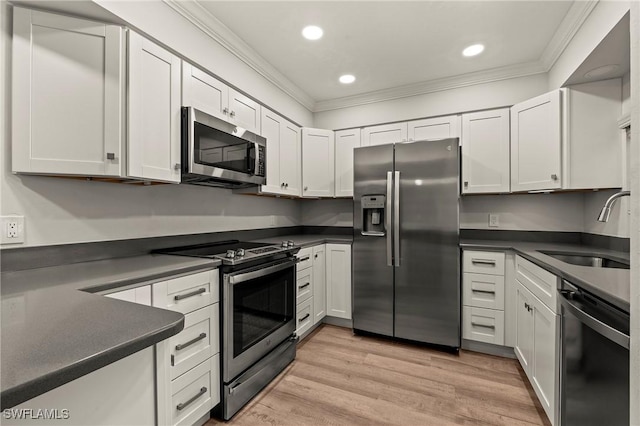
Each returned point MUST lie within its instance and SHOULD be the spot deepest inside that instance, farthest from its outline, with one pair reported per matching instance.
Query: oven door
(259, 310)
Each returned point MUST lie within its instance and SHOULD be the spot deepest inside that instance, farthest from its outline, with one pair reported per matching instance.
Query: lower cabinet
(320, 284)
(338, 259)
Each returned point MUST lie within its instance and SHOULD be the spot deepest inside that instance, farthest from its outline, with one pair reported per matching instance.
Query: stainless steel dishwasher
(594, 360)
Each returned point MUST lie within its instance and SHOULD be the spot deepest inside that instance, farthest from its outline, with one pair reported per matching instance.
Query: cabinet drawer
(483, 262)
(483, 325)
(197, 342)
(306, 258)
(483, 290)
(304, 316)
(188, 293)
(542, 283)
(304, 285)
(196, 392)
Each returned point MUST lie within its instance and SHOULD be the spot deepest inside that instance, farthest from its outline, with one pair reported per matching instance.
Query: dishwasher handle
(592, 322)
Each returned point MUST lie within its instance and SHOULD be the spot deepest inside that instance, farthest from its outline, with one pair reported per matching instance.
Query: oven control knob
(240, 252)
(231, 254)
(284, 244)
(290, 243)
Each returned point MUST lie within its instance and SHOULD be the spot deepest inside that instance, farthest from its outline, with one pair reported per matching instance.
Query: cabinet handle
(304, 259)
(184, 405)
(111, 156)
(304, 286)
(181, 346)
(483, 262)
(306, 187)
(193, 293)
(316, 256)
(176, 166)
(484, 291)
(304, 318)
(225, 111)
(282, 185)
(286, 185)
(529, 308)
(554, 177)
(466, 184)
(483, 325)
(232, 114)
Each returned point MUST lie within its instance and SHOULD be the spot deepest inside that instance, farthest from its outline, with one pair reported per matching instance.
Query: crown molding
(195, 13)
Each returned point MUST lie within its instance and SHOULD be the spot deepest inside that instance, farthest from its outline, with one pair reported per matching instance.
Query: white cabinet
(208, 94)
(384, 134)
(283, 154)
(154, 111)
(338, 261)
(319, 284)
(485, 152)
(67, 95)
(434, 128)
(346, 141)
(317, 162)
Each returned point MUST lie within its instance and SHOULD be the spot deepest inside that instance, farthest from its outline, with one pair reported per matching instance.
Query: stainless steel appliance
(218, 153)
(594, 360)
(257, 317)
(406, 259)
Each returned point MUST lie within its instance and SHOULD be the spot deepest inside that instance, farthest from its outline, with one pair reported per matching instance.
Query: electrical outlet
(494, 221)
(12, 230)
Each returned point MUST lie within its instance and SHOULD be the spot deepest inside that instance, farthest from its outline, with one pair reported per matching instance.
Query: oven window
(261, 306)
(215, 148)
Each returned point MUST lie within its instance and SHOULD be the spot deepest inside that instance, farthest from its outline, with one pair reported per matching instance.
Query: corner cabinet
(485, 152)
(283, 155)
(317, 162)
(68, 89)
(346, 142)
(154, 111)
(338, 263)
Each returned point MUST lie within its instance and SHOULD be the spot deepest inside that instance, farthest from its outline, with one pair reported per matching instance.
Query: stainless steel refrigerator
(406, 258)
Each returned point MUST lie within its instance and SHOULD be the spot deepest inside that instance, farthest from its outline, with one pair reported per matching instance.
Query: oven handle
(592, 322)
(242, 277)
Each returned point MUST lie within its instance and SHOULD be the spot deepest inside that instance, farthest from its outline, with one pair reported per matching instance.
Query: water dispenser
(373, 215)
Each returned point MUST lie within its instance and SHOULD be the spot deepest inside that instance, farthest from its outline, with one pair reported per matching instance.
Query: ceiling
(389, 44)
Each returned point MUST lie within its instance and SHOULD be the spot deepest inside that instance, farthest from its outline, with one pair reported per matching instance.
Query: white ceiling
(387, 44)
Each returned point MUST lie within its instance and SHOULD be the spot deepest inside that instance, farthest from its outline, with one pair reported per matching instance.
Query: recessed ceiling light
(347, 79)
(312, 32)
(602, 71)
(473, 50)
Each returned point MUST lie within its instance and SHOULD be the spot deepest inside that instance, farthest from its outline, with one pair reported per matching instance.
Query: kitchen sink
(587, 260)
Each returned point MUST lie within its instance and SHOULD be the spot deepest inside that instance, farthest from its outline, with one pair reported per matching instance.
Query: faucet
(606, 210)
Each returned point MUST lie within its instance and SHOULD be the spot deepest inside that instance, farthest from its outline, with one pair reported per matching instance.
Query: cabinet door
(271, 129)
(384, 134)
(319, 284)
(154, 111)
(485, 151)
(544, 369)
(434, 128)
(204, 92)
(317, 163)
(524, 327)
(338, 280)
(244, 112)
(67, 94)
(536, 143)
(346, 141)
(290, 158)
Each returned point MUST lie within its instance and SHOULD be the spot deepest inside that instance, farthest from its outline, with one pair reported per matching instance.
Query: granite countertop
(55, 331)
(610, 284)
(308, 240)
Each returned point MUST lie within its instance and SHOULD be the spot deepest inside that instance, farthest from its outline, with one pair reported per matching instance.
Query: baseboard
(488, 348)
(340, 322)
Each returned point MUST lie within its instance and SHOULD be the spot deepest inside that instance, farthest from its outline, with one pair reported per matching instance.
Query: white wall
(454, 101)
(61, 211)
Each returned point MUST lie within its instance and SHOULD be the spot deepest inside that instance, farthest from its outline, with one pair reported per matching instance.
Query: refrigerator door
(372, 270)
(427, 275)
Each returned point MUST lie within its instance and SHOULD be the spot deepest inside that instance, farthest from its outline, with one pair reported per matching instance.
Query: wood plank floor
(342, 379)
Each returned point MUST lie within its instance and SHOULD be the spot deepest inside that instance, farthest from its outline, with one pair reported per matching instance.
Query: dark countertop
(55, 331)
(308, 240)
(610, 284)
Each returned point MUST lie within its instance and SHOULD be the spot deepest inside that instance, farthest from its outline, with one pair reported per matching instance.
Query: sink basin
(587, 260)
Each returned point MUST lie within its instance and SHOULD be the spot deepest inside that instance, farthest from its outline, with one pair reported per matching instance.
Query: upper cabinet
(384, 134)
(346, 142)
(317, 162)
(68, 89)
(485, 152)
(283, 154)
(434, 128)
(208, 94)
(154, 111)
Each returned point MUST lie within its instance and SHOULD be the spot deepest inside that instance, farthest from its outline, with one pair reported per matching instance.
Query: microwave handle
(252, 165)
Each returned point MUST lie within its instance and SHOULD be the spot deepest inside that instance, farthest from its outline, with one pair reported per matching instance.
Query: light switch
(493, 220)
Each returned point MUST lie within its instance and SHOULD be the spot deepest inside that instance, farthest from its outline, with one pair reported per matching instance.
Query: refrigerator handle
(396, 218)
(387, 218)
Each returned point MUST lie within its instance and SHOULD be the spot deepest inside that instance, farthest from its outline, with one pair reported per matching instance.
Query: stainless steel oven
(218, 153)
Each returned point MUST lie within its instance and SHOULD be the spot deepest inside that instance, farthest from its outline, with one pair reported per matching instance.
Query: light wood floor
(342, 379)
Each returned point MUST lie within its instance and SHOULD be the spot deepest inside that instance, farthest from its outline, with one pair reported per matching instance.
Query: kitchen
(66, 212)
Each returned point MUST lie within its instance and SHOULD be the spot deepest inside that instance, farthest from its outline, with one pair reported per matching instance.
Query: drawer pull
(193, 293)
(483, 291)
(483, 325)
(304, 259)
(304, 286)
(181, 346)
(483, 262)
(184, 405)
(304, 318)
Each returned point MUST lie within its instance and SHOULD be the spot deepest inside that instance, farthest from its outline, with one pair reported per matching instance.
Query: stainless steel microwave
(218, 153)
